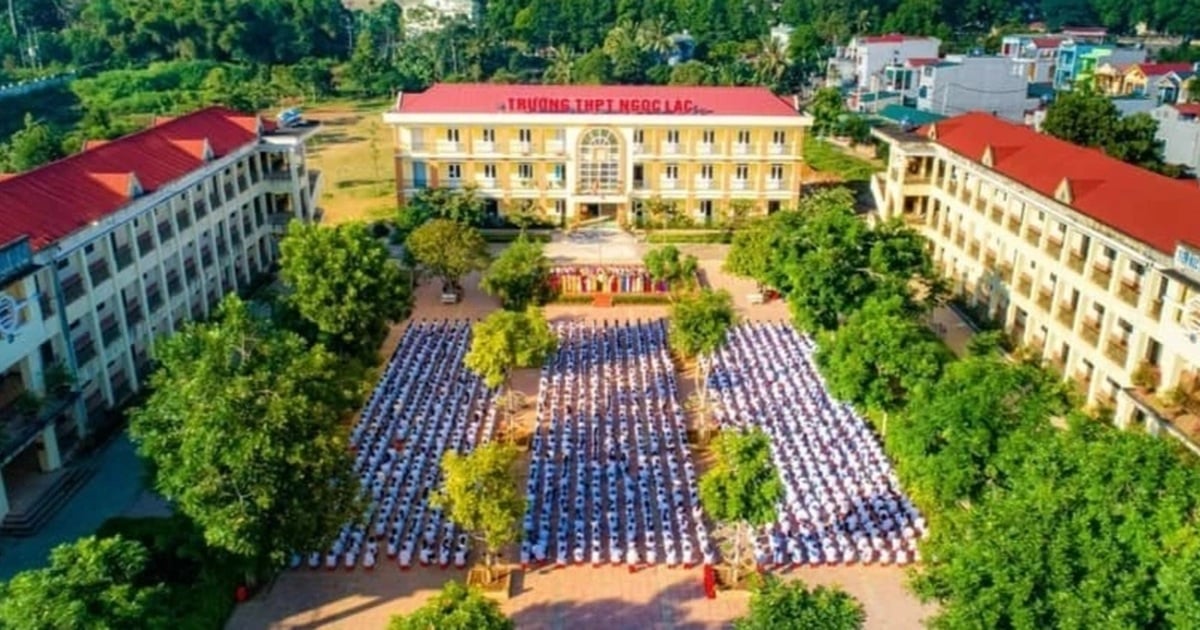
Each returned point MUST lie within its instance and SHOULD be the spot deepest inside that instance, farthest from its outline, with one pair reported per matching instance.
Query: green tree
(668, 264)
(455, 608)
(880, 355)
(827, 109)
(1092, 516)
(448, 249)
(506, 340)
(244, 428)
(968, 431)
(519, 276)
(1193, 90)
(699, 325)
(33, 145)
(779, 605)
(462, 205)
(480, 493)
(1089, 119)
(593, 68)
(341, 280)
(691, 73)
(90, 583)
(742, 488)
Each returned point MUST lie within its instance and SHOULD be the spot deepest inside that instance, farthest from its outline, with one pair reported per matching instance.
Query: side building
(577, 152)
(1091, 263)
(105, 251)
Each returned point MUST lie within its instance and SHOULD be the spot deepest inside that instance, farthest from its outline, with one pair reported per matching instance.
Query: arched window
(599, 161)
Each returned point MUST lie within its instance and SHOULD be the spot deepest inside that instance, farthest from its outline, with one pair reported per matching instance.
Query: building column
(48, 456)
(1123, 414)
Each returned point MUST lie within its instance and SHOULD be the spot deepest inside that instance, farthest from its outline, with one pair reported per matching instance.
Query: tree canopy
(341, 280)
(779, 605)
(699, 325)
(33, 145)
(90, 583)
(455, 607)
(243, 426)
(743, 486)
(880, 355)
(668, 264)
(506, 340)
(448, 249)
(480, 493)
(1089, 119)
(519, 276)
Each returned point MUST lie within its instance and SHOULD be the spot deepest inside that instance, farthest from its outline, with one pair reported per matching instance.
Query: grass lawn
(354, 151)
(829, 158)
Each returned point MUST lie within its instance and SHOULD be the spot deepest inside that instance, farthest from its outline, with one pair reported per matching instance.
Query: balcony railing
(960, 239)
(776, 148)
(555, 146)
(1033, 236)
(485, 146)
(183, 220)
(154, 299)
(110, 331)
(1156, 307)
(1117, 349)
(1066, 315)
(85, 351)
(72, 289)
(1006, 268)
(1044, 298)
(741, 148)
(145, 244)
(670, 148)
(133, 314)
(1083, 380)
(739, 184)
(1129, 291)
(518, 146)
(1101, 275)
(98, 270)
(704, 148)
(1014, 225)
(946, 231)
(989, 259)
(449, 146)
(485, 182)
(1054, 247)
(1024, 284)
(703, 183)
(774, 184)
(200, 210)
(668, 183)
(1090, 330)
(124, 256)
(1058, 361)
(973, 249)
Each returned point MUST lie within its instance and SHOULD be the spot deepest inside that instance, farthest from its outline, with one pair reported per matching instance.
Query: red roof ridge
(1145, 206)
(56, 199)
(92, 143)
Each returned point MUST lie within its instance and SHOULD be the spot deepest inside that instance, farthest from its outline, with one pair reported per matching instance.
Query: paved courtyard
(573, 598)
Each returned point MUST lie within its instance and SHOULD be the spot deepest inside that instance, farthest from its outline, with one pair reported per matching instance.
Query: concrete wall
(986, 84)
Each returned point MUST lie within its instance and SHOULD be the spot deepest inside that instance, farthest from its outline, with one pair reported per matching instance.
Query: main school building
(104, 251)
(577, 152)
(1092, 263)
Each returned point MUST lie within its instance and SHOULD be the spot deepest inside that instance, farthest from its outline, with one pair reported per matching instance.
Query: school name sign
(542, 105)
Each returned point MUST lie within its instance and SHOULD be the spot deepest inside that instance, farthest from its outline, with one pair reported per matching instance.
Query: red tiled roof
(890, 38)
(59, 198)
(1158, 69)
(1047, 42)
(1150, 208)
(493, 98)
(917, 62)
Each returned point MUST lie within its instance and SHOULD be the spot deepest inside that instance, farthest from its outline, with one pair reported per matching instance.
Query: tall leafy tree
(968, 431)
(33, 145)
(668, 264)
(742, 488)
(341, 280)
(507, 340)
(827, 108)
(244, 428)
(448, 249)
(699, 325)
(519, 276)
(880, 355)
(90, 583)
(480, 493)
(1089, 119)
(455, 608)
(779, 605)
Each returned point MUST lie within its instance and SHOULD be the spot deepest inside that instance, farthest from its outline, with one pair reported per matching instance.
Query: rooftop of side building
(52, 201)
(1147, 207)
(500, 99)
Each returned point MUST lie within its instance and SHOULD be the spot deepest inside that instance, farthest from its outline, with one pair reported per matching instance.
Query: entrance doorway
(599, 210)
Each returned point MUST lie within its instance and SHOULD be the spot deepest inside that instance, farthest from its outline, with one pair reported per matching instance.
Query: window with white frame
(639, 136)
(777, 172)
(600, 159)
(708, 136)
(671, 172)
(706, 171)
(673, 136)
(741, 171)
(525, 170)
(779, 137)
(454, 171)
(452, 134)
(743, 136)
(489, 135)
(525, 135)
(489, 171)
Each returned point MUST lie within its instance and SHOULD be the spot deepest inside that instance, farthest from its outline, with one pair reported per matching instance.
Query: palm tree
(770, 63)
(562, 66)
(654, 37)
(620, 38)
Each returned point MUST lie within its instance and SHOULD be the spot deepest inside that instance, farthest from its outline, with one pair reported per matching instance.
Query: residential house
(1141, 79)
(858, 66)
(1179, 130)
(959, 84)
(1076, 62)
(1033, 55)
(1174, 87)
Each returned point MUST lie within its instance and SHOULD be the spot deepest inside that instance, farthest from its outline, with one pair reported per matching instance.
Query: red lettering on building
(544, 105)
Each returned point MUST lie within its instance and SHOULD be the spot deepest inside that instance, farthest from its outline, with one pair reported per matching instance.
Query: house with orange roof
(1142, 79)
(106, 250)
(1087, 262)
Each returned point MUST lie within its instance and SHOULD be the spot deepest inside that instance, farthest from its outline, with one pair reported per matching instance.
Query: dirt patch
(354, 151)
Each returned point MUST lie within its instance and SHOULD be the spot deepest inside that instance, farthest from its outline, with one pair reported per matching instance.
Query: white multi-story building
(1092, 263)
(859, 65)
(104, 251)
